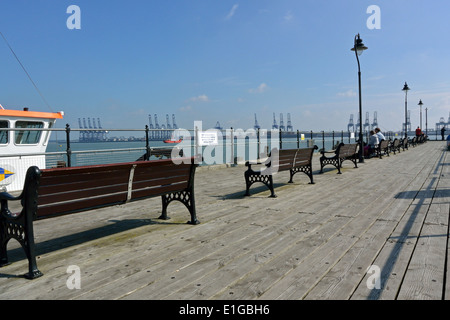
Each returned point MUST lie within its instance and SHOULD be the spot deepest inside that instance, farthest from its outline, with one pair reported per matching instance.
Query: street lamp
(359, 47)
(420, 105)
(406, 89)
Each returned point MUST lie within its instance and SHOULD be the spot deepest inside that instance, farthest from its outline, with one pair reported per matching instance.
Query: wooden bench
(421, 139)
(294, 160)
(55, 192)
(383, 147)
(395, 146)
(343, 152)
(404, 143)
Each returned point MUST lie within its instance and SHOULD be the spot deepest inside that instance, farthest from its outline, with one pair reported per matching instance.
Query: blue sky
(221, 60)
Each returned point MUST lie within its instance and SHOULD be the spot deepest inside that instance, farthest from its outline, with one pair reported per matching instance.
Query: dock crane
(274, 125)
(282, 127)
(174, 124)
(256, 126)
(367, 123)
(218, 127)
(101, 132)
(289, 123)
(157, 127)
(351, 124)
(375, 121)
(82, 133)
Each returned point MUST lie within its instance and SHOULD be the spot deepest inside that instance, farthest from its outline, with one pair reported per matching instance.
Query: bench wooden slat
(160, 182)
(61, 208)
(76, 194)
(145, 174)
(160, 190)
(60, 178)
(78, 184)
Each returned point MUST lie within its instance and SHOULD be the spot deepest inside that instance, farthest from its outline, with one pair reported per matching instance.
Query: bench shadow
(440, 193)
(254, 191)
(117, 226)
(327, 169)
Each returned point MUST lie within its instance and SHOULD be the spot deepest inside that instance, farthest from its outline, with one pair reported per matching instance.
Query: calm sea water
(127, 151)
(116, 152)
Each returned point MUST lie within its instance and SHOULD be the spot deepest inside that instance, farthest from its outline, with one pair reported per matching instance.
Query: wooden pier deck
(330, 240)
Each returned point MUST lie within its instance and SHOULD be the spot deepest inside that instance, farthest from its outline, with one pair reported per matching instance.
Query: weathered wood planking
(312, 242)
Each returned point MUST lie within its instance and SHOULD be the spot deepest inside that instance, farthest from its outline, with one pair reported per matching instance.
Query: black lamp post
(420, 105)
(359, 47)
(406, 89)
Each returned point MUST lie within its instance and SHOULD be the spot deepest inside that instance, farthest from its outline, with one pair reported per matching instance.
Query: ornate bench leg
(292, 172)
(20, 229)
(305, 169)
(270, 186)
(248, 183)
(3, 243)
(355, 161)
(321, 166)
(30, 246)
(165, 202)
(310, 175)
(252, 177)
(339, 165)
(4, 238)
(33, 271)
(186, 197)
(333, 161)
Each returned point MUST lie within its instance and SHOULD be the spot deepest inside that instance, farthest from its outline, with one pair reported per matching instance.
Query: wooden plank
(229, 251)
(69, 194)
(343, 278)
(426, 273)
(341, 281)
(157, 190)
(78, 184)
(66, 175)
(283, 273)
(395, 256)
(80, 205)
(252, 203)
(163, 181)
(424, 278)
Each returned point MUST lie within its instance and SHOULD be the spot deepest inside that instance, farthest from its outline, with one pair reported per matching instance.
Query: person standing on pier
(418, 132)
(443, 133)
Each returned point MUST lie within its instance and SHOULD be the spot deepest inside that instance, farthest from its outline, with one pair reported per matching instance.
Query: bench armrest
(259, 161)
(250, 163)
(5, 196)
(4, 209)
(330, 151)
(266, 162)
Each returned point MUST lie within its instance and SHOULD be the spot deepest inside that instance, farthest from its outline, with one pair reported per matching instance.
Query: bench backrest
(346, 150)
(291, 158)
(67, 190)
(396, 142)
(384, 144)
